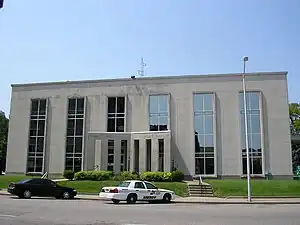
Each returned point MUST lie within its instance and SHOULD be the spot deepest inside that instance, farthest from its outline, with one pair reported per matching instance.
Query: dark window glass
(30, 165)
(111, 125)
(33, 127)
(41, 127)
(34, 107)
(70, 128)
(209, 166)
(79, 127)
(70, 144)
(199, 165)
(110, 167)
(72, 106)
(39, 165)
(77, 164)
(257, 165)
(69, 164)
(42, 106)
(150, 186)
(121, 105)
(78, 144)
(80, 106)
(111, 105)
(120, 125)
(35, 181)
(110, 159)
(40, 144)
(139, 185)
(124, 184)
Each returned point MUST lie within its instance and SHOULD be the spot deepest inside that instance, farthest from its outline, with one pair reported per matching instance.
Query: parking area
(82, 212)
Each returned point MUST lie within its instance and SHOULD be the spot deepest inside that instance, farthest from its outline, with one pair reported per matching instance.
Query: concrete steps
(200, 190)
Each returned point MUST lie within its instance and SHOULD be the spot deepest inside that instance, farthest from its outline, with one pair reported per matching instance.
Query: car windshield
(124, 184)
(24, 181)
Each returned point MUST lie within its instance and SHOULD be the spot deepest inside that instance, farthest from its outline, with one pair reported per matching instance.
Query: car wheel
(27, 194)
(131, 199)
(115, 201)
(167, 198)
(66, 195)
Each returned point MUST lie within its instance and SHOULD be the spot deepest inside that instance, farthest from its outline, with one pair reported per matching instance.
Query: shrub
(156, 176)
(127, 175)
(94, 175)
(177, 176)
(69, 174)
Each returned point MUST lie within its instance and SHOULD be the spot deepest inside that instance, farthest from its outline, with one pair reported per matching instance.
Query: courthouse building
(193, 123)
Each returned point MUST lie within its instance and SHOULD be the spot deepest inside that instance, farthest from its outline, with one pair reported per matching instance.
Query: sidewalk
(205, 200)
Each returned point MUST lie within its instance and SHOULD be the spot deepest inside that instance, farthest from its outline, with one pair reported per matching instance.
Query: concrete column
(117, 156)
(167, 154)
(98, 154)
(128, 159)
(142, 155)
(131, 155)
(154, 155)
(104, 152)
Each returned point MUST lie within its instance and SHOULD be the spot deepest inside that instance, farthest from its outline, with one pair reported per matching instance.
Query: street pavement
(37, 211)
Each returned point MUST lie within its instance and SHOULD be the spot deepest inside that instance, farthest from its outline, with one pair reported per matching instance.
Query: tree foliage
(3, 139)
(295, 130)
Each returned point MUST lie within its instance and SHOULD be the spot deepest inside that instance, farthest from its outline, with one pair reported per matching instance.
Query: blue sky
(75, 39)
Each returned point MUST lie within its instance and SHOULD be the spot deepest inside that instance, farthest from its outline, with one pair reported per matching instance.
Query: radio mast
(141, 71)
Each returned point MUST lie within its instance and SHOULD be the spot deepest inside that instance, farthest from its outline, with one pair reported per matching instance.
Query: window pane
(41, 127)
(69, 145)
(209, 124)
(199, 124)
(39, 165)
(209, 141)
(110, 168)
(121, 104)
(199, 143)
(72, 105)
(77, 164)
(79, 127)
(33, 127)
(257, 165)
(198, 103)
(208, 102)
(40, 144)
(163, 103)
(70, 129)
(120, 125)
(163, 122)
(209, 166)
(30, 164)
(42, 107)
(111, 125)
(199, 165)
(153, 123)
(256, 142)
(153, 104)
(244, 165)
(34, 107)
(253, 99)
(78, 144)
(255, 124)
(111, 105)
(69, 164)
(110, 159)
(80, 106)
(32, 140)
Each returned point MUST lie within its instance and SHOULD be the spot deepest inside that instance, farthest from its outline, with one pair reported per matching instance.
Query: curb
(241, 203)
(261, 197)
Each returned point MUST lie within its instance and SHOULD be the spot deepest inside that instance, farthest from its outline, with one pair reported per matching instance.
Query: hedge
(69, 174)
(175, 176)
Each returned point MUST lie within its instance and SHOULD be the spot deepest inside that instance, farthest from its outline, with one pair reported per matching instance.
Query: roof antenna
(141, 72)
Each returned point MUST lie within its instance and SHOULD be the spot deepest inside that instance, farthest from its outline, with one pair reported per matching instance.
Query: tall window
(204, 117)
(37, 134)
(254, 132)
(161, 154)
(158, 112)
(110, 155)
(123, 166)
(116, 114)
(74, 140)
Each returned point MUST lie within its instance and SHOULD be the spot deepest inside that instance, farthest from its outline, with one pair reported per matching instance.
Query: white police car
(136, 190)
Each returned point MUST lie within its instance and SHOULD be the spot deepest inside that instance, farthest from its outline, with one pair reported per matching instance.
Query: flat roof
(145, 79)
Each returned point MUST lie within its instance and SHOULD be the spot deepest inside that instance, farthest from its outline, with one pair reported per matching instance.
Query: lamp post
(246, 131)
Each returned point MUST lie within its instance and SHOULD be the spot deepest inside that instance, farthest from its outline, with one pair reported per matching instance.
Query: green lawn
(179, 188)
(224, 188)
(5, 180)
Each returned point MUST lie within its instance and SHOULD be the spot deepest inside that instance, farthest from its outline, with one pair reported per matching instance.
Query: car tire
(115, 201)
(66, 195)
(167, 198)
(27, 194)
(131, 199)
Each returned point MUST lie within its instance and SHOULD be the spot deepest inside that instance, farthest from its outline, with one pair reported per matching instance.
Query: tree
(3, 140)
(295, 130)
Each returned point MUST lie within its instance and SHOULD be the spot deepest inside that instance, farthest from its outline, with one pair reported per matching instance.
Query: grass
(225, 188)
(5, 180)
(179, 188)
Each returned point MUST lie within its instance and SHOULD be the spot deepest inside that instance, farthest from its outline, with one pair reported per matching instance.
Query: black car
(40, 188)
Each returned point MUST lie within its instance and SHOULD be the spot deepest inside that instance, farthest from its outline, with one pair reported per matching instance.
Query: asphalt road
(15, 211)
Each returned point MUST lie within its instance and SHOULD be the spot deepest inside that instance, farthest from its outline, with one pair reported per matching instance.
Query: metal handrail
(45, 175)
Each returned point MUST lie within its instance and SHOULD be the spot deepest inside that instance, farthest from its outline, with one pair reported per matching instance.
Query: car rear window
(24, 181)
(124, 184)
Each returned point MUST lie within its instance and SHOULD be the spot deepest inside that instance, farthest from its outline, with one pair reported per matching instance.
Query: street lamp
(246, 131)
